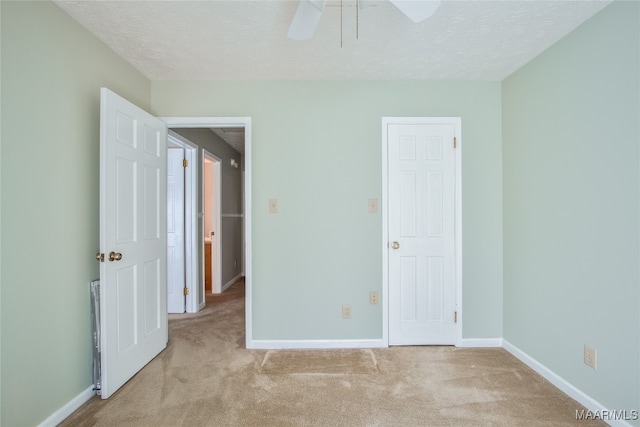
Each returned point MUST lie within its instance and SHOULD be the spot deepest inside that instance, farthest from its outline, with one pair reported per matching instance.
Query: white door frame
(245, 122)
(216, 219)
(457, 123)
(190, 218)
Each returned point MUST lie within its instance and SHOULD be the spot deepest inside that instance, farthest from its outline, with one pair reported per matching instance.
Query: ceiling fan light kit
(306, 19)
(308, 14)
(417, 10)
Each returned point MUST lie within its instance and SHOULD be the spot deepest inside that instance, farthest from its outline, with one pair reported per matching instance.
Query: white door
(212, 167)
(175, 231)
(421, 183)
(133, 239)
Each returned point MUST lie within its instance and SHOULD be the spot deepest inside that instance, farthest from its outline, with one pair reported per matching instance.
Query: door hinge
(185, 163)
(455, 317)
(99, 257)
(186, 291)
(455, 142)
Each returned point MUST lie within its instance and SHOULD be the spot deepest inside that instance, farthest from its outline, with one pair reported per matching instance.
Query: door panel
(421, 185)
(125, 176)
(152, 291)
(151, 210)
(127, 323)
(133, 305)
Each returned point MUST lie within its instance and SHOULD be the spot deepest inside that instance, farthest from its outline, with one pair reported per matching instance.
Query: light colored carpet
(206, 377)
(319, 362)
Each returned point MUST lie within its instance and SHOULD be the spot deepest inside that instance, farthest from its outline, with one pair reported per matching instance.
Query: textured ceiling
(232, 136)
(246, 40)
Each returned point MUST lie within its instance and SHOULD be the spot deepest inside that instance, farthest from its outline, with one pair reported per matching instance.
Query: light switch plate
(273, 206)
(346, 311)
(373, 297)
(373, 205)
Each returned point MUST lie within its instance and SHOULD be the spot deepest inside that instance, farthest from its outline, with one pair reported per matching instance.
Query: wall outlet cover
(373, 297)
(590, 357)
(346, 311)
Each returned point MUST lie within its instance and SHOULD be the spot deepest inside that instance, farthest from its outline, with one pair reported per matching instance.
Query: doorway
(196, 293)
(133, 300)
(422, 269)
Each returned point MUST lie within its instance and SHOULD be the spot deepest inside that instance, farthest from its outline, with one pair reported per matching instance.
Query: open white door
(133, 239)
(176, 278)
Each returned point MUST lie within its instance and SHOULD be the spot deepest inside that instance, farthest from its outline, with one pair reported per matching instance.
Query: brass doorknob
(395, 245)
(115, 256)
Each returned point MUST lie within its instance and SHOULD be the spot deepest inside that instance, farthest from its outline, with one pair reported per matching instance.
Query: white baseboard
(480, 342)
(320, 344)
(68, 409)
(315, 344)
(562, 384)
(231, 282)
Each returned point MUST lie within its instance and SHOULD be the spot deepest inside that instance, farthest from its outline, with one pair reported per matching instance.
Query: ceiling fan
(309, 12)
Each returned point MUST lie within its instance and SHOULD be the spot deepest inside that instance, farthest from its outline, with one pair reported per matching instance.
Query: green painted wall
(0, 220)
(567, 125)
(317, 149)
(52, 70)
(571, 206)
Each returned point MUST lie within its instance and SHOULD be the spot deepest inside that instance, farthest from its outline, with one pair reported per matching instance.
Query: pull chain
(341, 24)
(357, 19)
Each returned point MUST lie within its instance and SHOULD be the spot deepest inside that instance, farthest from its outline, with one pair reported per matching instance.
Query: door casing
(457, 123)
(226, 122)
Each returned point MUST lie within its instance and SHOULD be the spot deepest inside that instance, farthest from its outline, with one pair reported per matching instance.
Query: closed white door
(421, 262)
(133, 239)
(175, 231)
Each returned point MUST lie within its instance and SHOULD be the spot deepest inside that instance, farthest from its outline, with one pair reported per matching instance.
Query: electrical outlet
(373, 297)
(346, 311)
(590, 357)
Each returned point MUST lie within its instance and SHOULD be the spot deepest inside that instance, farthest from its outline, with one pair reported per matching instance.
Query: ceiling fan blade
(417, 10)
(306, 19)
